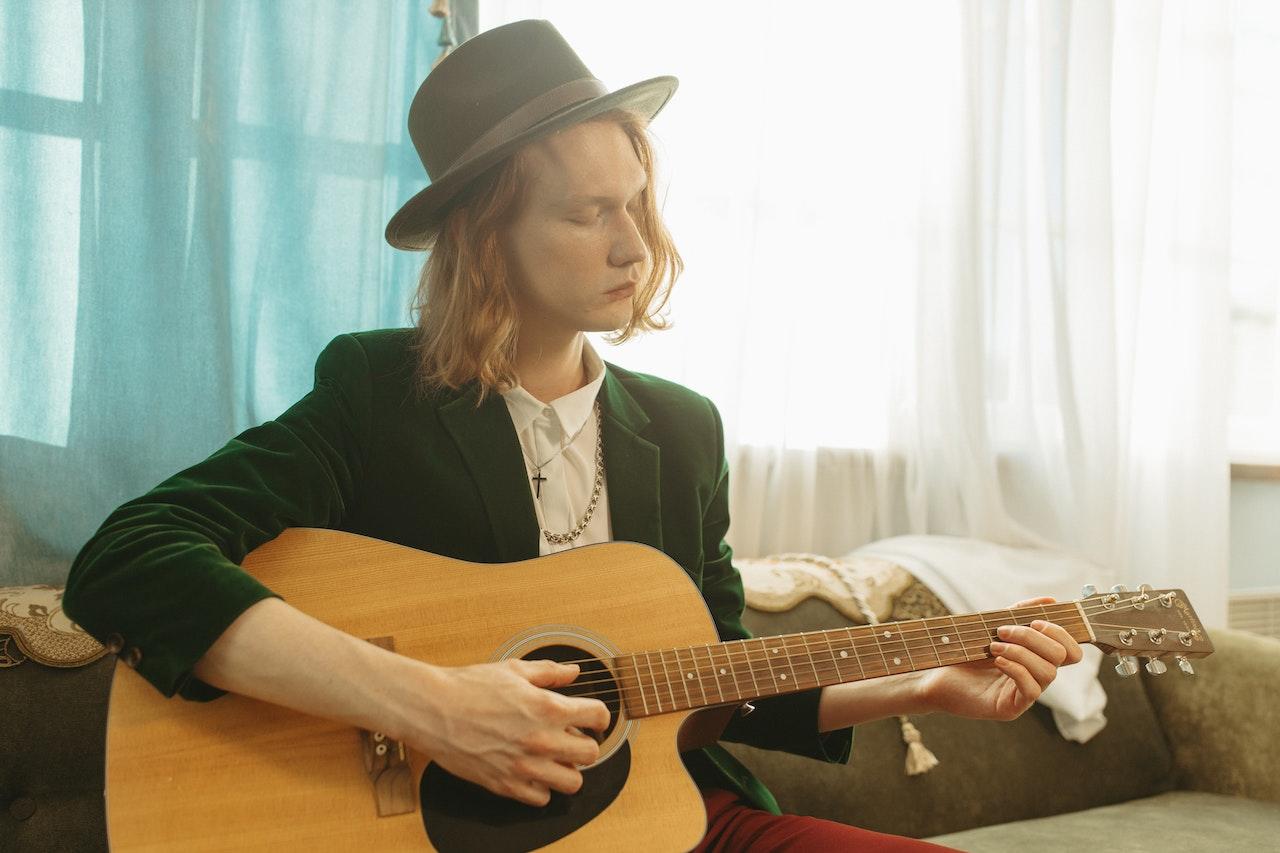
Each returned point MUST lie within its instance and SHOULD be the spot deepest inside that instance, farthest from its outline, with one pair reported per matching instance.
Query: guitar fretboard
(667, 680)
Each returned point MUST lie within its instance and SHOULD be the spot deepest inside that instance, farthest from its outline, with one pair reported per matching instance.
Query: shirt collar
(571, 410)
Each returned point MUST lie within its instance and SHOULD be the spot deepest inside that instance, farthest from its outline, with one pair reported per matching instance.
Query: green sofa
(1184, 763)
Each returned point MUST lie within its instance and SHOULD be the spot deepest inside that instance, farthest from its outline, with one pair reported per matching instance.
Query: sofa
(1184, 763)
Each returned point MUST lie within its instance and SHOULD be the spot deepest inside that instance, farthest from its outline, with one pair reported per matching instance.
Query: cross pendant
(537, 483)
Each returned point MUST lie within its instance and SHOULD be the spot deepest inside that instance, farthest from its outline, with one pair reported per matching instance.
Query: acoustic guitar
(240, 774)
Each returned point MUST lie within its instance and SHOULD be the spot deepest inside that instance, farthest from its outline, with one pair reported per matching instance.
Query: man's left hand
(1025, 661)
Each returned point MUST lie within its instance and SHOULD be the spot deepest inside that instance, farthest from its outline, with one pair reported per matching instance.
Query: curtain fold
(197, 193)
(952, 268)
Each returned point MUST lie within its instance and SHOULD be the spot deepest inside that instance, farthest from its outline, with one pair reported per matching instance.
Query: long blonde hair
(467, 325)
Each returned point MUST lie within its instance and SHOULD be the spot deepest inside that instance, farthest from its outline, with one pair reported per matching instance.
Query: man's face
(578, 236)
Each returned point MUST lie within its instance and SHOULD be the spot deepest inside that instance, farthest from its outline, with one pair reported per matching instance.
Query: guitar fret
(880, 649)
(951, 642)
(901, 638)
(657, 696)
(716, 675)
(800, 641)
(635, 669)
(662, 655)
(975, 648)
(817, 679)
(693, 675)
(928, 632)
(764, 650)
(857, 656)
(831, 650)
(751, 670)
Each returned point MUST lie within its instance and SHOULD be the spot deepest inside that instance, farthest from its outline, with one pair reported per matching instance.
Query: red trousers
(734, 826)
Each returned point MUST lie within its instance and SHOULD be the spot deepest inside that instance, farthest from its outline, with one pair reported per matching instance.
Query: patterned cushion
(32, 625)
(779, 582)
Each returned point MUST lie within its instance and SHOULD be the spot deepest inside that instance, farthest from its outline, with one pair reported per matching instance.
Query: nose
(629, 246)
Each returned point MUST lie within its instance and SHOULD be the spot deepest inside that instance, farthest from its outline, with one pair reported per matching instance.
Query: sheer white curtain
(953, 267)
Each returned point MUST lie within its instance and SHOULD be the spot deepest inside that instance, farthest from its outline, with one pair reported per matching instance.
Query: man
(542, 225)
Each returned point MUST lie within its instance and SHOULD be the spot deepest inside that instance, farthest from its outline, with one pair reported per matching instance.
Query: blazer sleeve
(788, 722)
(161, 578)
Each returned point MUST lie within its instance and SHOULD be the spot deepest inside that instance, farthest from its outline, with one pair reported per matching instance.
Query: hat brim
(417, 220)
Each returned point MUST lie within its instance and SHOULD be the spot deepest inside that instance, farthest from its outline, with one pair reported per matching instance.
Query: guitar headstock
(1158, 624)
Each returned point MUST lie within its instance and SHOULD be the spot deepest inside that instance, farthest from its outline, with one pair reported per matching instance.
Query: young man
(493, 432)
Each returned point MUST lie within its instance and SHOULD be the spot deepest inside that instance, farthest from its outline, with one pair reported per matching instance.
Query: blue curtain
(195, 195)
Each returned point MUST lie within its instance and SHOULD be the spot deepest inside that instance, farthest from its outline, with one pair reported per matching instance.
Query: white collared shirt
(545, 428)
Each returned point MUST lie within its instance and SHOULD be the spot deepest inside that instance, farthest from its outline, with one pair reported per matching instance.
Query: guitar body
(241, 774)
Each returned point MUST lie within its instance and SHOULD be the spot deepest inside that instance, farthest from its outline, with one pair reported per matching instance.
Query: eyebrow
(594, 199)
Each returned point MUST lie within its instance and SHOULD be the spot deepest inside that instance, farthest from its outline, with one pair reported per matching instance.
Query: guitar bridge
(387, 764)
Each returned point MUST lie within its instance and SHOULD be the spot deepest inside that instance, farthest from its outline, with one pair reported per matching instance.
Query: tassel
(919, 758)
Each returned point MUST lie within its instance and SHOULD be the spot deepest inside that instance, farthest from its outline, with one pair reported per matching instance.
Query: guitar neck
(680, 679)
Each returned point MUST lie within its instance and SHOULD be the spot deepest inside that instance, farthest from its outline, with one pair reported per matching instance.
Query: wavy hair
(466, 320)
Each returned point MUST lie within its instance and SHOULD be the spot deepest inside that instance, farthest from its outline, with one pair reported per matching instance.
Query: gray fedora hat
(492, 94)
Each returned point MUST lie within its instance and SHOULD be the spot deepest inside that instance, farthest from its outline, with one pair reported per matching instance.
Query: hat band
(530, 113)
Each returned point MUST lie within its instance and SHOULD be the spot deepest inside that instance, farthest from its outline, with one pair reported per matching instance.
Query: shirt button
(133, 656)
(114, 644)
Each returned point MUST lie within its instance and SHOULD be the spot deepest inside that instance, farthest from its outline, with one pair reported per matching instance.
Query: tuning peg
(1127, 666)
(1088, 591)
(1146, 588)
(1185, 665)
(1119, 588)
(1155, 666)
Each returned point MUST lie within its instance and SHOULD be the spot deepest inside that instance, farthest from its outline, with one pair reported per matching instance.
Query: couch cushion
(1176, 820)
(1014, 771)
(52, 735)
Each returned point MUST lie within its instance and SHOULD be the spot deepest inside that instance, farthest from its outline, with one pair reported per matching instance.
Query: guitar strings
(1065, 609)
(861, 650)
(861, 645)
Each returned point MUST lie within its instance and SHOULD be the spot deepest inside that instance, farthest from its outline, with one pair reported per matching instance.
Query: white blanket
(970, 575)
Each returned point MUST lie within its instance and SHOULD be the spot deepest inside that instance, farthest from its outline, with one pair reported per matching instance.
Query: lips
(629, 286)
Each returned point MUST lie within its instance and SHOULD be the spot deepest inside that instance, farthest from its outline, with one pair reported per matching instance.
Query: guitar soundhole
(593, 681)
(460, 815)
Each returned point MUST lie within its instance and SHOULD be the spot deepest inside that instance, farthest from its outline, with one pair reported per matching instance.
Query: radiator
(1257, 611)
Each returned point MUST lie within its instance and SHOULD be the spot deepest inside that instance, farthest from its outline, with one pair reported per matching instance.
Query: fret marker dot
(775, 651)
(844, 654)
(897, 661)
(888, 634)
(689, 675)
(722, 670)
(784, 676)
(945, 638)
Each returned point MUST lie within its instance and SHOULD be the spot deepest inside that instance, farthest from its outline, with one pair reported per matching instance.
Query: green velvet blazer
(362, 452)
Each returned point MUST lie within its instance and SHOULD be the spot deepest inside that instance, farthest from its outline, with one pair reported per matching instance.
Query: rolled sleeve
(161, 576)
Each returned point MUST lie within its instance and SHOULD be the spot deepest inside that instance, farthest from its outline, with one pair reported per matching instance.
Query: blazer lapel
(490, 447)
(631, 465)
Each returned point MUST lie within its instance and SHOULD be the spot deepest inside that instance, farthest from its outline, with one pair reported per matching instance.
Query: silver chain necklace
(538, 479)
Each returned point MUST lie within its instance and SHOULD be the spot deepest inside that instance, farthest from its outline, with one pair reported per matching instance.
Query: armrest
(1221, 724)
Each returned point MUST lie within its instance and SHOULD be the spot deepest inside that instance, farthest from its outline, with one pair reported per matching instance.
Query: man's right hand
(497, 724)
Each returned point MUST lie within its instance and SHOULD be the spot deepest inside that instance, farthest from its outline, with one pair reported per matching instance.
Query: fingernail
(997, 648)
(1004, 631)
(1039, 624)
